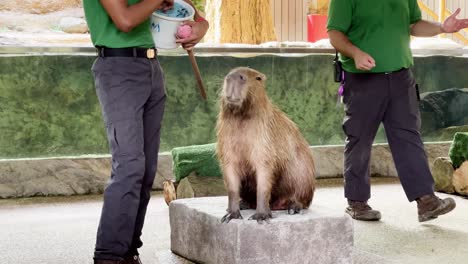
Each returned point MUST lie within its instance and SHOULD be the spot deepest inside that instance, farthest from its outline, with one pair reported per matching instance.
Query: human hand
(364, 61)
(199, 30)
(166, 5)
(452, 24)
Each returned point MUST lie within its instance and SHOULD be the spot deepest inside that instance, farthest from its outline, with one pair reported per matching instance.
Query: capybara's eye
(258, 78)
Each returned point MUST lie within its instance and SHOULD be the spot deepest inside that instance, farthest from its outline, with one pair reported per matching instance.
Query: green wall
(48, 105)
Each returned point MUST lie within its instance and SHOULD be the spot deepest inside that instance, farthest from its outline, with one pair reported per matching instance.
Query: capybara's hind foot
(231, 215)
(294, 208)
(261, 217)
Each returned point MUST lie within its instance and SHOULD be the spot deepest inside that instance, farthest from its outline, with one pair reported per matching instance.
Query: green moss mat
(459, 150)
(200, 159)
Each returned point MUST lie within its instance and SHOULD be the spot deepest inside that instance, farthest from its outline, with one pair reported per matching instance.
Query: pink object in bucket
(184, 31)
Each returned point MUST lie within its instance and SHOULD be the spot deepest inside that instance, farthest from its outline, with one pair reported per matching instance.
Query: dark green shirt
(105, 33)
(380, 28)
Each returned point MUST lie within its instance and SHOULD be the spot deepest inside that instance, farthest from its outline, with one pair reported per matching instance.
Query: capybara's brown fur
(265, 160)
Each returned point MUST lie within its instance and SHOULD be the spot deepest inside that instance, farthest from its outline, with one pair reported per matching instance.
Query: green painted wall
(48, 105)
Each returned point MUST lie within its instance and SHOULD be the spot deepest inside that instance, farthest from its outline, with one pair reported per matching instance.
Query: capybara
(265, 160)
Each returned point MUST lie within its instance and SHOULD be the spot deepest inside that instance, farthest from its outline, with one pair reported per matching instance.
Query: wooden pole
(196, 70)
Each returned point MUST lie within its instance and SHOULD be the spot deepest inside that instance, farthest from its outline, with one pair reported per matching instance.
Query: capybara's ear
(261, 77)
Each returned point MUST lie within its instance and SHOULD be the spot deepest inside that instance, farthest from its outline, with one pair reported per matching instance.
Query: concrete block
(317, 235)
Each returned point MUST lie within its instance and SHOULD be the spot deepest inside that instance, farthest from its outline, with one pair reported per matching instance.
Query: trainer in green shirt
(105, 33)
(373, 38)
(130, 87)
(379, 28)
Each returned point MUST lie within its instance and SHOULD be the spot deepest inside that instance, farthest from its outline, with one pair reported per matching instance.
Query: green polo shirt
(380, 28)
(105, 33)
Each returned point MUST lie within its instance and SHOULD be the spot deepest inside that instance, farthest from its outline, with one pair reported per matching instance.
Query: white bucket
(164, 28)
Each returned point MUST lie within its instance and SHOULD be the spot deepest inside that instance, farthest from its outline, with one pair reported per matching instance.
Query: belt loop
(134, 53)
(101, 52)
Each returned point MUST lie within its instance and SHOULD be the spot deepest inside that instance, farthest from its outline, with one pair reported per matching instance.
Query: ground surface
(62, 230)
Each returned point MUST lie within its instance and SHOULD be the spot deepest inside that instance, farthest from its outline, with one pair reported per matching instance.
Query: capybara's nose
(237, 76)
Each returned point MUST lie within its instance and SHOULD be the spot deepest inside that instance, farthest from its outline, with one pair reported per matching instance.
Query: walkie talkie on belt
(338, 69)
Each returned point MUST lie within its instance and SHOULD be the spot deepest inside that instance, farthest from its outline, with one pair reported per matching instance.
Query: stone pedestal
(318, 235)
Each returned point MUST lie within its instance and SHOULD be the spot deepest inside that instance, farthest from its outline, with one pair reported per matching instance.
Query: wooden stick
(196, 70)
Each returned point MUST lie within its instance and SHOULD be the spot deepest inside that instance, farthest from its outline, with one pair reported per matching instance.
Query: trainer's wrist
(442, 29)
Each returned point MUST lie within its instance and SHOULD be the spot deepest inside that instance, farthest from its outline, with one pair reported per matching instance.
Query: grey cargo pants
(391, 98)
(132, 96)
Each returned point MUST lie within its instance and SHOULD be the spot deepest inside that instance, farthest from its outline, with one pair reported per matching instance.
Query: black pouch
(417, 92)
(338, 69)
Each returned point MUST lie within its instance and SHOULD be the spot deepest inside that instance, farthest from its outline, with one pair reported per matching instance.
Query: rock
(46, 177)
(46, 186)
(442, 172)
(447, 133)
(321, 235)
(82, 181)
(459, 149)
(443, 109)
(460, 179)
(200, 186)
(82, 175)
(7, 191)
(64, 176)
(164, 172)
(73, 25)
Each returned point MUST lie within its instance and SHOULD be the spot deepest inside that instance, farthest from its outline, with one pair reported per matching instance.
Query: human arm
(126, 17)
(424, 28)
(341, 43)
(199, 28)
(340, 17)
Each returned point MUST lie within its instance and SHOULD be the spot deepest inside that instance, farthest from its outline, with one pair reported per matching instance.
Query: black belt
(390, 72)
(378, 73)
(127, 52)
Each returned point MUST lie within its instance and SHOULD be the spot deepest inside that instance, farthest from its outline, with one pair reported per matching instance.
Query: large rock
(442, 172)
(64, 176)
(443, 109)
(69, 176)
(459, 149)
(73, 25)
(44, 177)
(460, 179)
(318, 235)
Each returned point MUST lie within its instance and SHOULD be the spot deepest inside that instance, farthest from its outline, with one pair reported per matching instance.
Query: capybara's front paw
(261, 217)
(231, 215)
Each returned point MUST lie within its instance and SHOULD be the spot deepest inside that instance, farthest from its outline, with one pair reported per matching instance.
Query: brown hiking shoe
(431, 206)
(362, 211)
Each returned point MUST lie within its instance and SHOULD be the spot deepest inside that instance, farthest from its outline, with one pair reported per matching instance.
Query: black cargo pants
(391, 98)
(132, 96)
